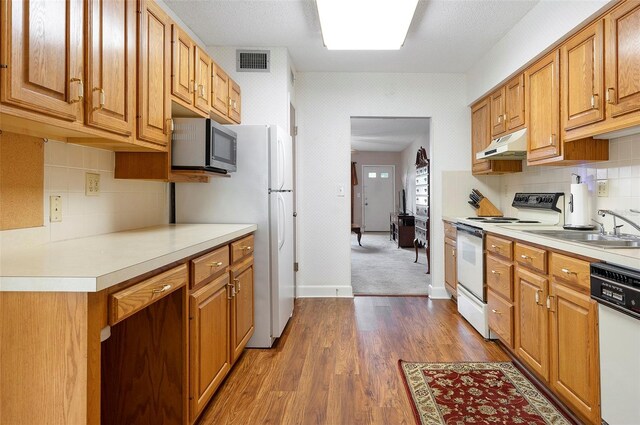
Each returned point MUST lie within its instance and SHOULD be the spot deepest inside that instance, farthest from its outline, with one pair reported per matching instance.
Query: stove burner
(527, 221)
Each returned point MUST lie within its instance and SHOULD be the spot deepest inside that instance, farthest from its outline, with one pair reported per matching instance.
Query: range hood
(512, 146)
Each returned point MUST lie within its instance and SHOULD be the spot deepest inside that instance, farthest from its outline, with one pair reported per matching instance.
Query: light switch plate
(55, 208)
(92, 184)
(602, 188)
(340, 190)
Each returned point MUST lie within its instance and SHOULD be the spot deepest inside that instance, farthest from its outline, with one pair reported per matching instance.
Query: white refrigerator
(260, 192)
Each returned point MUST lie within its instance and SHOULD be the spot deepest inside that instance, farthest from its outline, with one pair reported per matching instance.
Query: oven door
(470, 264)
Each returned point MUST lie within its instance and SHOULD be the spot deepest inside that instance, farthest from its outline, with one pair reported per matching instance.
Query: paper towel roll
(580, 196)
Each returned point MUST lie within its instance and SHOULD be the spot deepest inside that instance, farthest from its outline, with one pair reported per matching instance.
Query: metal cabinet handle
(192, 86)
(496, 311)
(525, 257)
(550, 303)
(230, 287)
(552, 139)
(567, 271)
(611, 93)
(594, 101)
(495, 272)
(80, 90)
(216, 264)
(165, 288)
(248, 248)
(102, 98)
(237, 284)
(504, 117)
(538, 297)
(496, 247)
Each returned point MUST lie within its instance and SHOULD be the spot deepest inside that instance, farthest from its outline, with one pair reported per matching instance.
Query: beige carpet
(378, 267)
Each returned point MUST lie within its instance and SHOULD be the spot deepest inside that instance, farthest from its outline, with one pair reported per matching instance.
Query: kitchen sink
(591, 238)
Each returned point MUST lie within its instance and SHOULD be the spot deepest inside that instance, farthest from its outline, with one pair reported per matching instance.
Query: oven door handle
(470, 230)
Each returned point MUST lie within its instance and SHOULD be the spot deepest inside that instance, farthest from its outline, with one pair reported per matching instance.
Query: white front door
(377, 196)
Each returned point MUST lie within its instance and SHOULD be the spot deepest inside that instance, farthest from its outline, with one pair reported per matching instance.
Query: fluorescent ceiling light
(365, 24)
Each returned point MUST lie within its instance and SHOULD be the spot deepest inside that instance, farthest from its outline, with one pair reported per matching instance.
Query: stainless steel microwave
(203, 144)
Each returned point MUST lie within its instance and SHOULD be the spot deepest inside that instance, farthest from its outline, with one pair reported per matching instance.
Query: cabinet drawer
(500, 247)
(450, 231)
(209, 265)
(572, 270)
(422, 179)
(422, 210)
(242, 248)
(531, 257)
(129, 301)
(499, 277)
(501, 317)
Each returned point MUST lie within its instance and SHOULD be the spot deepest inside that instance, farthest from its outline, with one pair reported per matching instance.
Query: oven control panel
(617, 287)
(543, 201)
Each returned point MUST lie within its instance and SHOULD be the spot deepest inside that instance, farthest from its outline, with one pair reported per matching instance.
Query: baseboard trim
(438, 293)
(329, 291)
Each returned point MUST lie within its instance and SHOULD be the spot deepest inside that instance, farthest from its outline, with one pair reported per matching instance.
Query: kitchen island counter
(95, 263)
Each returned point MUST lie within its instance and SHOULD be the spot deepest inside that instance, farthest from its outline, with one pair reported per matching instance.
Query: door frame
(362, 197)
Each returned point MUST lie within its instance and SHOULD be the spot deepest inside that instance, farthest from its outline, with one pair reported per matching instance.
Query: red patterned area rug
(475, 393)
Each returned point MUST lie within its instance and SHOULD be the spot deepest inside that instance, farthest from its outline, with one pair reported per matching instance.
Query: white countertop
(94, 263)
(628, 257)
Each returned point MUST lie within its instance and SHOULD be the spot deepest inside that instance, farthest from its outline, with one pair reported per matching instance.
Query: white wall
(265, 95)
(121, 204)
(326, 101)
(546, 22)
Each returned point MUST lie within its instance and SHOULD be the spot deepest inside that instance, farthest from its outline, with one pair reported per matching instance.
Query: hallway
(337, 363)
(379, 267)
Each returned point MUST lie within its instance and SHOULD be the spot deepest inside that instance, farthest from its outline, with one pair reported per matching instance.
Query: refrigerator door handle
(281, 221)
(281, 164)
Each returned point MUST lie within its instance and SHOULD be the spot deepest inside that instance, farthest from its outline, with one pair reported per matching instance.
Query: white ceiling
(378, 134)
(445, 35)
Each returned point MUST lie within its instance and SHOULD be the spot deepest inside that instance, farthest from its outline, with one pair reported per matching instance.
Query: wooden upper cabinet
(202, 80)
(498, 122)
(480, 134)
(42, 44)
(622, 35)
(542, 94)
(574, 350)
(583, 77)
(154, 74)
(182, 66)
(220, 90)
(234, 101)
(111, 65)
(514, 103)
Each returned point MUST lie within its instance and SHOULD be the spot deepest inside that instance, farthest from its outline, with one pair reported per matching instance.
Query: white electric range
(534, 209)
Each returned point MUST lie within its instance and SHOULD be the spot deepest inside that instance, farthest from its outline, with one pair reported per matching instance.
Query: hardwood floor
(337, 363)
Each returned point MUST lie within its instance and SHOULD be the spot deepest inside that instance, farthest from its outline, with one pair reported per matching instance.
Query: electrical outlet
(340, 190)
(55, 209)
(603, 188)
(92, 184)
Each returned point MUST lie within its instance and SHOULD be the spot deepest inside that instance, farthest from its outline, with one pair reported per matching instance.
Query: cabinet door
(234, 101)
(514, 103)
(220, 101)
(450, 278)
(498, 123)
(154, 73)
(542, 92)
(480, 134)
(500, 317)
(532, 321)
(203, 80)
(208, 341)
(583, 77)
(622, 27)
(42, 46)
(111, 63)
(182, 66)
(574, 350)
(241, 308)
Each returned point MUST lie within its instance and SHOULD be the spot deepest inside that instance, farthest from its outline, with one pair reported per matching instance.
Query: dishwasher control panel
(616, 286)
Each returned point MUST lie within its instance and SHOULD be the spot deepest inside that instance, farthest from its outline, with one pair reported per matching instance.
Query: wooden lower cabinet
(532, 321)
(574, 350)
(450, 259)
(242, 319)
(209, 327)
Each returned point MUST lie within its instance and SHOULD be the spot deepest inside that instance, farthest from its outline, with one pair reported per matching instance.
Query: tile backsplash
(622, 172)
(120, 205)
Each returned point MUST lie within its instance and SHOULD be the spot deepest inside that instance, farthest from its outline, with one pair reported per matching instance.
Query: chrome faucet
(616, 229)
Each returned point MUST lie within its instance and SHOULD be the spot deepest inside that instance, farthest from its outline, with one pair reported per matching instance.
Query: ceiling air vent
(253, 60)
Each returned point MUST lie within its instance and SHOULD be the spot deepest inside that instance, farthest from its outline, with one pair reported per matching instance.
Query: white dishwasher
(617, 291)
